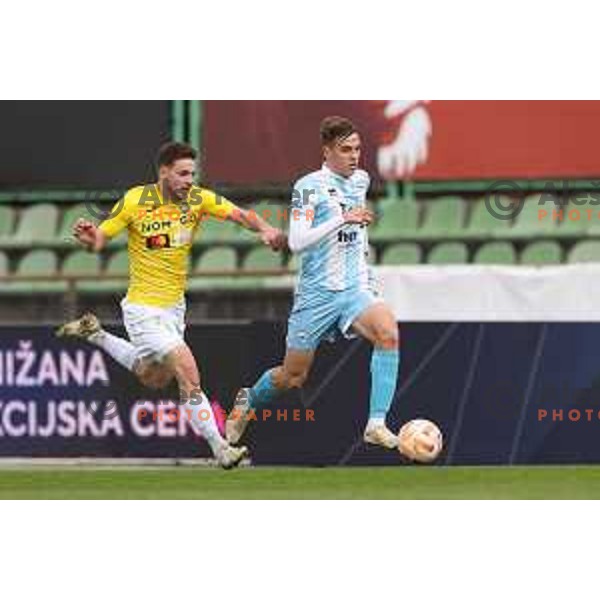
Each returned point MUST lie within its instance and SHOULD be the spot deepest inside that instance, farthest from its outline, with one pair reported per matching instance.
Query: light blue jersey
(335, 284)
(339, 261)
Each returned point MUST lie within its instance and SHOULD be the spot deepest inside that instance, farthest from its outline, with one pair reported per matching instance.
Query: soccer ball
(420, 440)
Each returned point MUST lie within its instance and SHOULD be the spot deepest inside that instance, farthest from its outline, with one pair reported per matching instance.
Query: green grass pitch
(300, 483)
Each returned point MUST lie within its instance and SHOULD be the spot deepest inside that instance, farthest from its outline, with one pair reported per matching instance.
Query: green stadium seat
(449, 253)
(36, 263)
(69, 217)
(496, 253)
(80, 211)
(274, 213)
(575, 222)
(593, 229)
(3, 264)
(210, 230)
(232, 233)
(542, 253)
(262, 258)
(7, 223)
(37, 226)
(402, 254)
(81, 262)
(585, 252)
(398, 220)
(118, 264)
(444, 218)
(217, 259)
(529, 223)
(293, 263)
(212, 260)
(483, 224)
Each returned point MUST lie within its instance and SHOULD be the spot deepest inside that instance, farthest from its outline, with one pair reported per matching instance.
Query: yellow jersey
(160, 239)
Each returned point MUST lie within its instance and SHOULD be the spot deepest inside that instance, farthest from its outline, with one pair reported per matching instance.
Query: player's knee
(294, 379)
(154, 379)
(153, 382)
(297, 381)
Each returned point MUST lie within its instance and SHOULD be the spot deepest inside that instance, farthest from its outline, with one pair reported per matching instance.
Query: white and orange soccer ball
(420, 440)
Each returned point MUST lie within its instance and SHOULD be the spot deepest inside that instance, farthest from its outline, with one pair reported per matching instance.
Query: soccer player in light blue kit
(334, 293)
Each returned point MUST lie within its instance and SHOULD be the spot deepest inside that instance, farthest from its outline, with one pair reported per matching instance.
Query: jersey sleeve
(120, 217)
(215, 205)
(303, 233)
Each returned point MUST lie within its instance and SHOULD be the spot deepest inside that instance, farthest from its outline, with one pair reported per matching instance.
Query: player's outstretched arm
(91, 237)
(303, 235)
(271, 236)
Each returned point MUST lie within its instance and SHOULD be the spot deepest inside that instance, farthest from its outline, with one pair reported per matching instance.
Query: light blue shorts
(325, 315)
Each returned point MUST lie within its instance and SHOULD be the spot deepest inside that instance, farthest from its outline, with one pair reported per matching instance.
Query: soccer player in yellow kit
(161, 220)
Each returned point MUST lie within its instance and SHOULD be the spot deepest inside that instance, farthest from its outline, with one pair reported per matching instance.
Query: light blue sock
(384, 374)
(263, 391)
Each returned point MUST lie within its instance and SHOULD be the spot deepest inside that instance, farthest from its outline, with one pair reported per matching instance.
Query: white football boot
(237, 420)
(229, 457)
(380, 435)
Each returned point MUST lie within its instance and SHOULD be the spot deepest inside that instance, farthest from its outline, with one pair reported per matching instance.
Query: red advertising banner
(255, 142)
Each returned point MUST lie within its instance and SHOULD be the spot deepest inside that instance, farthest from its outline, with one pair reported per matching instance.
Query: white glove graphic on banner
(411, 146)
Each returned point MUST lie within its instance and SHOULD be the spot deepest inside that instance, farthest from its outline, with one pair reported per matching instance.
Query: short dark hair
(336, 128)
(172, 151)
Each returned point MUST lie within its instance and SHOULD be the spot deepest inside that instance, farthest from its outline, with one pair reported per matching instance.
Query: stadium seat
(3, 264)
(35, 263)
(585, 252)
(215, 259)
(593, 224)
(234, 234)
(69, 217)
(530, 223)
(262, 258)
(483, 224)
(7, 223)
(575, 222)
(274, 213)
(218, 231)
(37, 226)
(118, 264)
(398, 220)
(444, 218)
(542, 253)
(81, 262)
(402, 254)
(448, 254)
(293, 263)
(496, 253)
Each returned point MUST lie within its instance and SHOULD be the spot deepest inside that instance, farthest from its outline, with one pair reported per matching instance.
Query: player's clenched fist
(359, 216)
(274, 238)
(88, 234)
